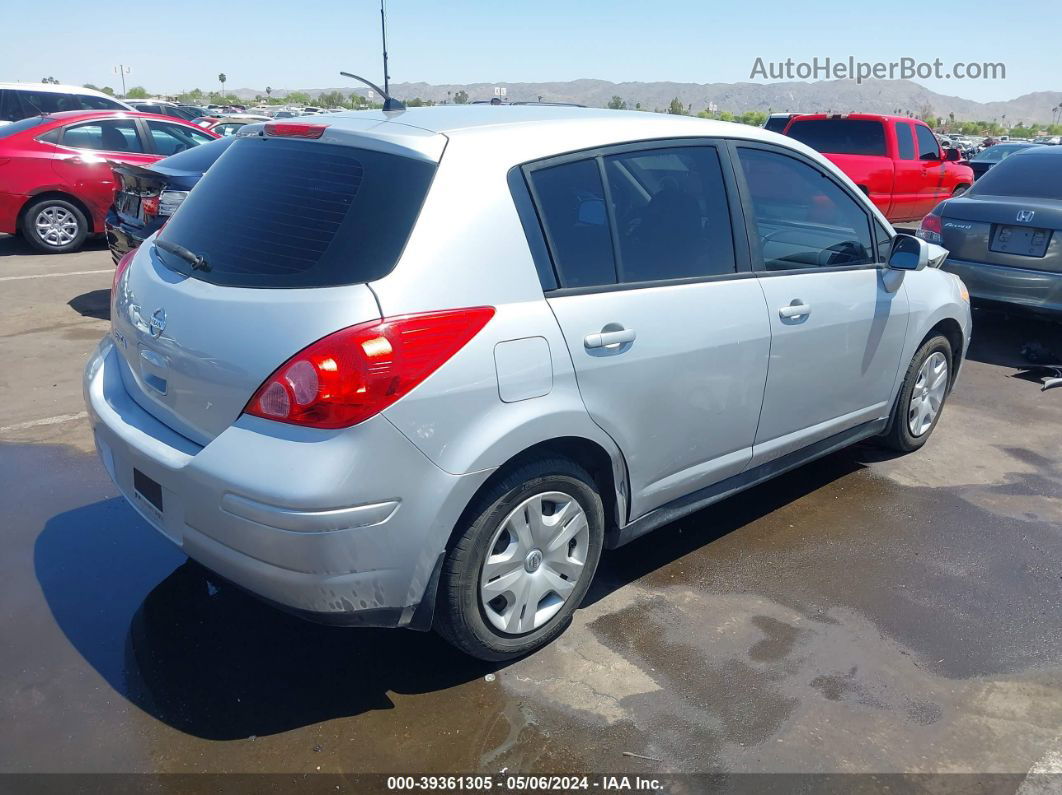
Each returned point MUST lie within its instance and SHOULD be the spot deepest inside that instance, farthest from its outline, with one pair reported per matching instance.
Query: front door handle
(605, 339)
(796, 309)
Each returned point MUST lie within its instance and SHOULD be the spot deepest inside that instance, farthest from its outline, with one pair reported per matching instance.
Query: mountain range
(841, 96)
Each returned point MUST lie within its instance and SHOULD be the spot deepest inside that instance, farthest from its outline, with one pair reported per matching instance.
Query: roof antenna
(390, 103)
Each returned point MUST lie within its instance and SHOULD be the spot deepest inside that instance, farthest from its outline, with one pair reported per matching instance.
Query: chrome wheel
(928, 394)
(535, 559)
(56, 226)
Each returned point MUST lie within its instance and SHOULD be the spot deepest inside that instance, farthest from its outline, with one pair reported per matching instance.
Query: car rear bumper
(1034, 290)
(342, 527)
(10, 204)
(122, 239)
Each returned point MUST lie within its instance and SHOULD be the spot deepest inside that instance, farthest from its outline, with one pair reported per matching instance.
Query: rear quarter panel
(873, 174)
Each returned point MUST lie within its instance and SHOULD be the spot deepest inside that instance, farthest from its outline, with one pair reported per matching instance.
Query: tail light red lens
(150, 205)
(294, 129)
(119, 269)
(355, 373)
(931, 230)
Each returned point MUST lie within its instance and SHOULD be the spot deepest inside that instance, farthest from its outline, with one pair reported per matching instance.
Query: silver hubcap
(928, 394)
(56, 226)
(534, 562)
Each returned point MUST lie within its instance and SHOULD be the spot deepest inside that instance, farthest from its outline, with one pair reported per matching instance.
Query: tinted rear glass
(776, 123)
(1029, 174)
(281, 213)
(841, 136)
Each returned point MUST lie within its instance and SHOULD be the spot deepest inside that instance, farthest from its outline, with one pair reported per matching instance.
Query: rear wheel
(54, 226)
(922, 396)
(522, 562)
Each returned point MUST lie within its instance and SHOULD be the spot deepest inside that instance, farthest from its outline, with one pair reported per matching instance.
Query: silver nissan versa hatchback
(419, 369)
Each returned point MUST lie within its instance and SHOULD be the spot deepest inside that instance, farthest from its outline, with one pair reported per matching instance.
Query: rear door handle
(796, 309)
(607, 338)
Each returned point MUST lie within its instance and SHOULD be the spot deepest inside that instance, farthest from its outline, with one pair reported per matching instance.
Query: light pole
(123, 71)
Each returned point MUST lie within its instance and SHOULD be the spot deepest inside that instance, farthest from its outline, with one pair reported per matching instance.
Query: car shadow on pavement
(95, 304)
(16, 246)
(203, 656)
(1014, 340)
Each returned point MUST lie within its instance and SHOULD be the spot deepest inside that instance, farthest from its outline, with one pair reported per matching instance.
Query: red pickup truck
(895, 160)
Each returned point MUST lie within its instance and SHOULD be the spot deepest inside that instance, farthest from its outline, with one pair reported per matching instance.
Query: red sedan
(56, 182)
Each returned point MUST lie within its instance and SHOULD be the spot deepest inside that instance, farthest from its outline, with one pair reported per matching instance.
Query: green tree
(108, 91)
(137, 92)
(50, 80)
(222, 79)
(90, 87)
(461, 97)
(677, 108)
(617, 103)
(298, 98)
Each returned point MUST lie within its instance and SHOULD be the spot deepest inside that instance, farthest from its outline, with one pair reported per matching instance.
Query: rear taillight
(170, 200)
(294, 129)
(930, 230)
(120, 268)
(349, 376)
(149, 206)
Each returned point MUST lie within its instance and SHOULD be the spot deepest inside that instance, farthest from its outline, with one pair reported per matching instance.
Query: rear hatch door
(287, 233)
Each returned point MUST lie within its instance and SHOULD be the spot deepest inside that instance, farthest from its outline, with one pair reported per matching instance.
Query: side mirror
(952, 155)
(910, 253)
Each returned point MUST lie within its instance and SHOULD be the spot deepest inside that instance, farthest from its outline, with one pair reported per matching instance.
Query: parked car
(161, 107)
(148, 195)
(994, 154)
(777, 122)
(895, 160)
(1004, 235)
(228, 125)
(194, 111)
(22, 100)
(56, 182)
(364, 380)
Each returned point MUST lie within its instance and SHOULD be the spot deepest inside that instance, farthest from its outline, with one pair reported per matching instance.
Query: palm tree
(269, 90)
(221, 79)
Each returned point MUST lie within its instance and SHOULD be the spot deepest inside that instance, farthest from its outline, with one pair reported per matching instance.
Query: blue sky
(305, 44)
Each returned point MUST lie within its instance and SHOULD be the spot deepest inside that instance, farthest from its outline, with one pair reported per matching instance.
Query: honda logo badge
(1024, 216)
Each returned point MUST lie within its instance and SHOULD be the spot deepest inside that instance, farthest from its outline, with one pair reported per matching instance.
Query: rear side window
(672, 218)
(776, 123)
(195, 160)
(841, 136)
(89, 102)
(803, 218)
(928, 148)
(281, 213)
(109, 135)
(904, 141)
(10, 107)
(571, 202)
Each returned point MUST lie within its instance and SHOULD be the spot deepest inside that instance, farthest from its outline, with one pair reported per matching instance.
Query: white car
(22, 100)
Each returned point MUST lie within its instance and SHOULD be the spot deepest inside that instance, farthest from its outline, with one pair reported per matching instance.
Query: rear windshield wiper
(197, 262)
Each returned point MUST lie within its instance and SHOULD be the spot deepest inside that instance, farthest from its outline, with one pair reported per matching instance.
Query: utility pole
(123, 71)
(383, 36)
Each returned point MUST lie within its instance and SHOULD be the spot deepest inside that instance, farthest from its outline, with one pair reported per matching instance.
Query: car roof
(52, 88)
(856, 117)
(68, 116)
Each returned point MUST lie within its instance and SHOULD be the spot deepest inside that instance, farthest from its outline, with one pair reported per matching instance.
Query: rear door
(85, 153)
(837, 328)
(665, 324)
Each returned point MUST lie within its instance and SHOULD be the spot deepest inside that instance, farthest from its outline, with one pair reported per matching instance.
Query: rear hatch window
(841, 136)
(279, 213)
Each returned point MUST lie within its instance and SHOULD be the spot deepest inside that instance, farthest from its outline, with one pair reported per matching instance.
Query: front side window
(803, 218)
(928, 148)
(170, 139)
(108, 135)
(571, 204)
(671, 214)
(905, 141)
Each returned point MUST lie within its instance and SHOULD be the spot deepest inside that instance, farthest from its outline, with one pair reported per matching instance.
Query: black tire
(460, 617)
(899, 436)
(69, 210)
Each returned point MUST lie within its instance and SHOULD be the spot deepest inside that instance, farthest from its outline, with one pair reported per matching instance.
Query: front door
(838, 319)
(665, 325)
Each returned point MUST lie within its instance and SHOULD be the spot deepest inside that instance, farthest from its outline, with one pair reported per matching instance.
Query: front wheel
(522, 562)
(922, 396)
